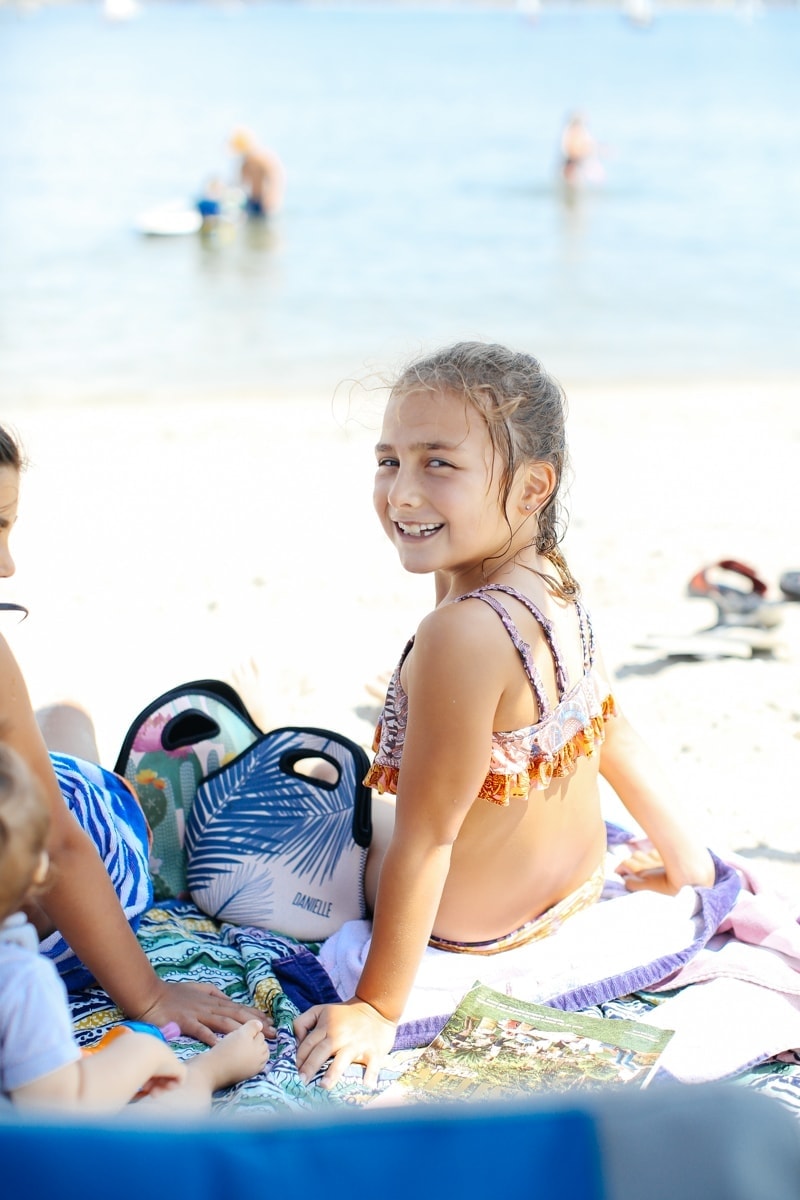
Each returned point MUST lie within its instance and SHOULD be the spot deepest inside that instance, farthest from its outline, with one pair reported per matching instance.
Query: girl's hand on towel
(353, 1032)
(644, 870)
(202, 1011)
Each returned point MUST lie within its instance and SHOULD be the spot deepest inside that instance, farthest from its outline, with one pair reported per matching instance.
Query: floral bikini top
(521, 759)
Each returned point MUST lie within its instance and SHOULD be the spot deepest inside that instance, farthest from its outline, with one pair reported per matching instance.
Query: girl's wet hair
(24, 823)
(11, 454)
(525, 412)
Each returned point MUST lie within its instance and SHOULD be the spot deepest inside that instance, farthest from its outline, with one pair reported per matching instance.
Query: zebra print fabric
(105, 808)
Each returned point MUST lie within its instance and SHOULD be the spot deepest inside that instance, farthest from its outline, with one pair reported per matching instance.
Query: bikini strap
(523, 648)
(584, 628)
(587, 636)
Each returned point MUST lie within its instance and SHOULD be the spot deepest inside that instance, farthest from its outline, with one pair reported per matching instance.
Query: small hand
(158, 1085)
(167, 1070)
(202, 1011)
(353, 1032)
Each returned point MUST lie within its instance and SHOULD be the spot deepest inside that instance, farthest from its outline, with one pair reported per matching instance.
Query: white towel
(608, 939)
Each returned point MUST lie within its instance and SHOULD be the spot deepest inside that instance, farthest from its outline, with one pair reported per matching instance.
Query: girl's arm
(83, 905)
(453, 691)
(628, 764)
(106, 1081)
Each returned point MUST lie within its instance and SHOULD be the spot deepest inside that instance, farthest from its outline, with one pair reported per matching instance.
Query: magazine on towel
(495, 1045)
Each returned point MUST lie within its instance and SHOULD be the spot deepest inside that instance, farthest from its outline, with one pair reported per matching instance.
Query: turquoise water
(422, 198)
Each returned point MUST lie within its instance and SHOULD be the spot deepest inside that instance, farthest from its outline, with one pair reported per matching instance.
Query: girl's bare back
(516, 855)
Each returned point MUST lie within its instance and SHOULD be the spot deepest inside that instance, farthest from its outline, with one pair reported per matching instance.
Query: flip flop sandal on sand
(736, 605)
(789, 583)
(720, 641)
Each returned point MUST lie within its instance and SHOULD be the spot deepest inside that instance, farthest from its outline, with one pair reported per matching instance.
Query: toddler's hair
(525, 412)
(24, 822)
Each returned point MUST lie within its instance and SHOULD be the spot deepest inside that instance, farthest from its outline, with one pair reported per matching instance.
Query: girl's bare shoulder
(464, 637)
(459, 619)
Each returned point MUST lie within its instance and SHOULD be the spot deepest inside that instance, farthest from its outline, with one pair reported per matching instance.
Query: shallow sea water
(422, 204)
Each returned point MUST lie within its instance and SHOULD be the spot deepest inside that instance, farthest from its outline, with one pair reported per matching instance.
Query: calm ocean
(422, 201)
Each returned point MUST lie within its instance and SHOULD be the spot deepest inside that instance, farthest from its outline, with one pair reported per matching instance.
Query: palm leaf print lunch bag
(278, 837)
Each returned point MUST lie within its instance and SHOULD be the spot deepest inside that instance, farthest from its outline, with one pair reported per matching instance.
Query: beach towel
(728, 959)
(185, 944)
(627, 942)
(720, 967)
(737, 1001)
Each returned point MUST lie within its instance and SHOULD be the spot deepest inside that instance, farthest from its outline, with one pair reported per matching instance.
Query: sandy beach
(164, 542)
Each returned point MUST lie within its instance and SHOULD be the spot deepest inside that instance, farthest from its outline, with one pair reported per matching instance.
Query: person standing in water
(261, 175)
(578, 151)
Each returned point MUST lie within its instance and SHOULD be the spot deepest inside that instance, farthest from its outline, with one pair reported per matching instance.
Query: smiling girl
(499, 718)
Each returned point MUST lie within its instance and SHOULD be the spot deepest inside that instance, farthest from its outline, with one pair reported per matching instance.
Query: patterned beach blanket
(184, 944)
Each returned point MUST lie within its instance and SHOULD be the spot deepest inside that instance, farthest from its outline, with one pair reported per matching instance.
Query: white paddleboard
(174, 219)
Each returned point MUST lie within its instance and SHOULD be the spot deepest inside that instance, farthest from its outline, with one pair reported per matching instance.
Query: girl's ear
(538, 484)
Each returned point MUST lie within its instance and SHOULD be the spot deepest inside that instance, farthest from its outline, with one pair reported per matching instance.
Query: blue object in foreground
(145, 1027)
(398, 1155)
(707, 1142)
